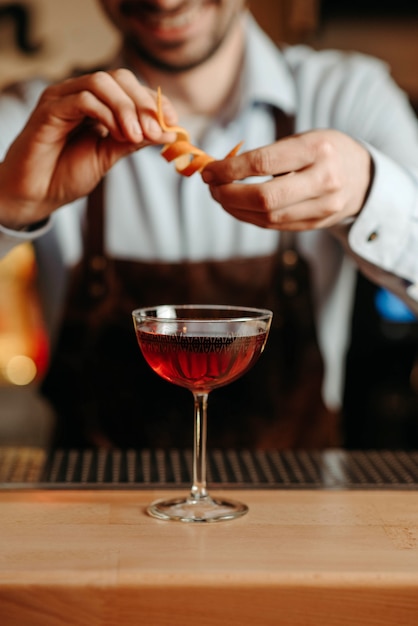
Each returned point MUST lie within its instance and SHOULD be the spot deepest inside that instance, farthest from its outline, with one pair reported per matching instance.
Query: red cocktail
(199, 362)
(200, 347)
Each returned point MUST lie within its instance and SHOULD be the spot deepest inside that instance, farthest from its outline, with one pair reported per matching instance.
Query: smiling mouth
(154, 17)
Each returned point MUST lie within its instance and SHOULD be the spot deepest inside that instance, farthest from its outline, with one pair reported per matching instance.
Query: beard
(158, 61)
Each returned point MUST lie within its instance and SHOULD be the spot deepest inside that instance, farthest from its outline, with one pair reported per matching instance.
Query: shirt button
(372, 236)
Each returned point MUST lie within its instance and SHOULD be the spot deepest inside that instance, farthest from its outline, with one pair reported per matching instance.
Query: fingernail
(153, 127)
(136, 129)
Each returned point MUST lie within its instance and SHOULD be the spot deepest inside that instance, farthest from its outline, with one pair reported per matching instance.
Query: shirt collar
(266, 77)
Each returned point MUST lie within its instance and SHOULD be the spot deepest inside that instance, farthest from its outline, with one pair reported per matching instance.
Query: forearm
(18, 223)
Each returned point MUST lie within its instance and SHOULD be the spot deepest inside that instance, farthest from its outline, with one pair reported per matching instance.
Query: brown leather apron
(105, 394)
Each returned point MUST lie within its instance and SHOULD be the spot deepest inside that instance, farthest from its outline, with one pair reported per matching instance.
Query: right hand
(77, 132)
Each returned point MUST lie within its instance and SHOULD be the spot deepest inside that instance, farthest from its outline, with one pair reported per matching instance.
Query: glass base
(190, 509)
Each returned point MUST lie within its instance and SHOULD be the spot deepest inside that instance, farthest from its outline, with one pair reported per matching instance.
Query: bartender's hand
(78, 130)
(318, 179)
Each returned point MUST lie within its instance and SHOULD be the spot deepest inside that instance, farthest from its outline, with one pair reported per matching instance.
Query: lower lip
(167, 32)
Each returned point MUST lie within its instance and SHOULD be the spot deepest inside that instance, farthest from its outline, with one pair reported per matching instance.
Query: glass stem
(198, 490)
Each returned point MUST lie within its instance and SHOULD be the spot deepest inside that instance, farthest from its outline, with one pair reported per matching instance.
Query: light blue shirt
(154, 214)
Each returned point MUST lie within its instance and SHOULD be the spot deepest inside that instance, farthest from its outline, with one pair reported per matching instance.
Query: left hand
(319, 178)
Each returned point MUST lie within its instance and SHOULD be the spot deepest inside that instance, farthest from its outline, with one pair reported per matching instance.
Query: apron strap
(95, 260)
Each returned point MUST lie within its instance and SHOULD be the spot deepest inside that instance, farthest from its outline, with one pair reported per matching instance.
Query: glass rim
(258, 313)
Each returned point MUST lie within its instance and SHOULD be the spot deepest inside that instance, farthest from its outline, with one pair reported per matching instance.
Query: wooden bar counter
(299, 557)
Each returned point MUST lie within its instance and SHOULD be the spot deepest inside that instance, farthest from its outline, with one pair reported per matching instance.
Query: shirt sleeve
(12, 238)
(385, 232)
(383, 240)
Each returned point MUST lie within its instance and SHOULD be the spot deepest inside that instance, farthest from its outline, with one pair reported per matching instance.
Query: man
(330, 153)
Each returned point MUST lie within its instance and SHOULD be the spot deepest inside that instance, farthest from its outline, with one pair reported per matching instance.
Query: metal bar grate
(270, 469)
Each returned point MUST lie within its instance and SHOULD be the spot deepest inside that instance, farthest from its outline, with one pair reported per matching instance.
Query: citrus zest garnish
(187, 158)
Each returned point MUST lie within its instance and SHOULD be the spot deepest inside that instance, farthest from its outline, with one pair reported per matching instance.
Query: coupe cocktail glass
(200, 347)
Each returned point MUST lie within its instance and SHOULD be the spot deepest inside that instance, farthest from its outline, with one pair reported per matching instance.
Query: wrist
(19, 216)
(30, 227)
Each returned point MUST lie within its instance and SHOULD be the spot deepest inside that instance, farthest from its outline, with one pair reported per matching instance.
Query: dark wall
(331, 8)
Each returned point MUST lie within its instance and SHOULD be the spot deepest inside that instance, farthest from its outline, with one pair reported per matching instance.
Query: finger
(99, 128)
(277, 193)
(145, 101)
(99, 97)
(287, 155)
(125, 98)
(306, 216)
(70, 111)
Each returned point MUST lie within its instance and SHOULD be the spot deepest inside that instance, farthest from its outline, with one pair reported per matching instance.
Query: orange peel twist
(187, 158)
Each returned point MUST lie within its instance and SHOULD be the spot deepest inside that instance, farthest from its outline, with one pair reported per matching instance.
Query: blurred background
(51, 38)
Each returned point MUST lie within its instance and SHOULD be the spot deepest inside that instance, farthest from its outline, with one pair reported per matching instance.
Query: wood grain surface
(300, 558)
